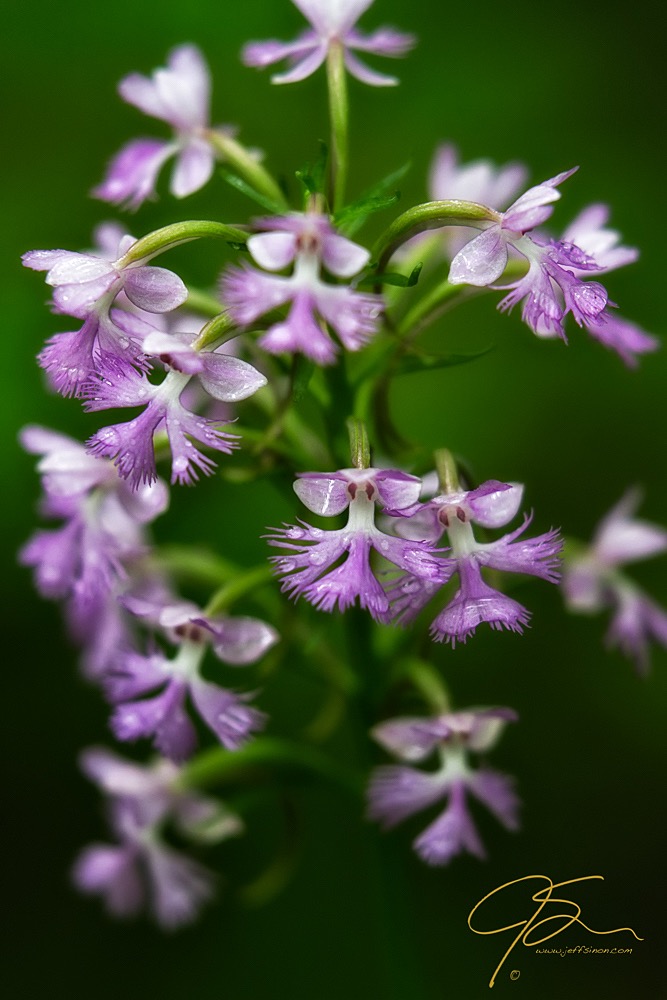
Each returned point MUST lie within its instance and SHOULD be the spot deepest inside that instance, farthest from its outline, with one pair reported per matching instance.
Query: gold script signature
(533, 931)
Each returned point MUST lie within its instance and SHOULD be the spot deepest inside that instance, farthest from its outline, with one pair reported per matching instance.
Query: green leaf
(423, 362)
(313, 175)
(394, 278)
(250, 192)
(352, 216)
(355, 214)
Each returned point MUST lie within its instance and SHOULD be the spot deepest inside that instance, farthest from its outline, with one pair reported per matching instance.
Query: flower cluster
(107, 361)
(162, 661)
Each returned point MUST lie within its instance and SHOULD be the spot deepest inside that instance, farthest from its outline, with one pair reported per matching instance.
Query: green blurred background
(552, 85)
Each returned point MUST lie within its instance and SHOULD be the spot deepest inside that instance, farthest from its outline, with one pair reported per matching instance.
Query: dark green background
(553, 85)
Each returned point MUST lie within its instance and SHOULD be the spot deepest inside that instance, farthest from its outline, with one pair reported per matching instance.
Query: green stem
(195, 564)
(248, 166)
(274, 878)
(203, 302)
(430, 215)
(389, 891)
(424, 677)
(360, 449)
(179, 232)
(448, 475)
(218, 765)
(242, 584)
(440, 297)
(427, 308)
(339, 115)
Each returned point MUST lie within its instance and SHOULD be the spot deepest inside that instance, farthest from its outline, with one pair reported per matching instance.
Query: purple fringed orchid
(311, 567)
(237, 641)
(553, 286)
(491, 505)
(141, 872)
(84, 561)
(593, 582)
(332, 23)
(308, 243)
(88, 287)
(178, 94)
(396, 792)
(131, 444)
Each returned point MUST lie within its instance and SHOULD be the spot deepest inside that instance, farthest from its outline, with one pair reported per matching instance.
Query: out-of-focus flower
(140, 871)
(396, 792)
(593, 582)
(332, 23)
(84, 561)
(308, 243)
(178, 94)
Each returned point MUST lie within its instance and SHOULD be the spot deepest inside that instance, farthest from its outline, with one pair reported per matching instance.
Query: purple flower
(84, 560)
(396, 792)
(87, 287)
(311, 566)
(592, 581)
(130, 444)
(553, 286)
(179, 95)
(82, 281)
(309, 243)
(141, 871)
(588, 232)
(491, 505)
(237, 641)
(331, 24)
(483, 260)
